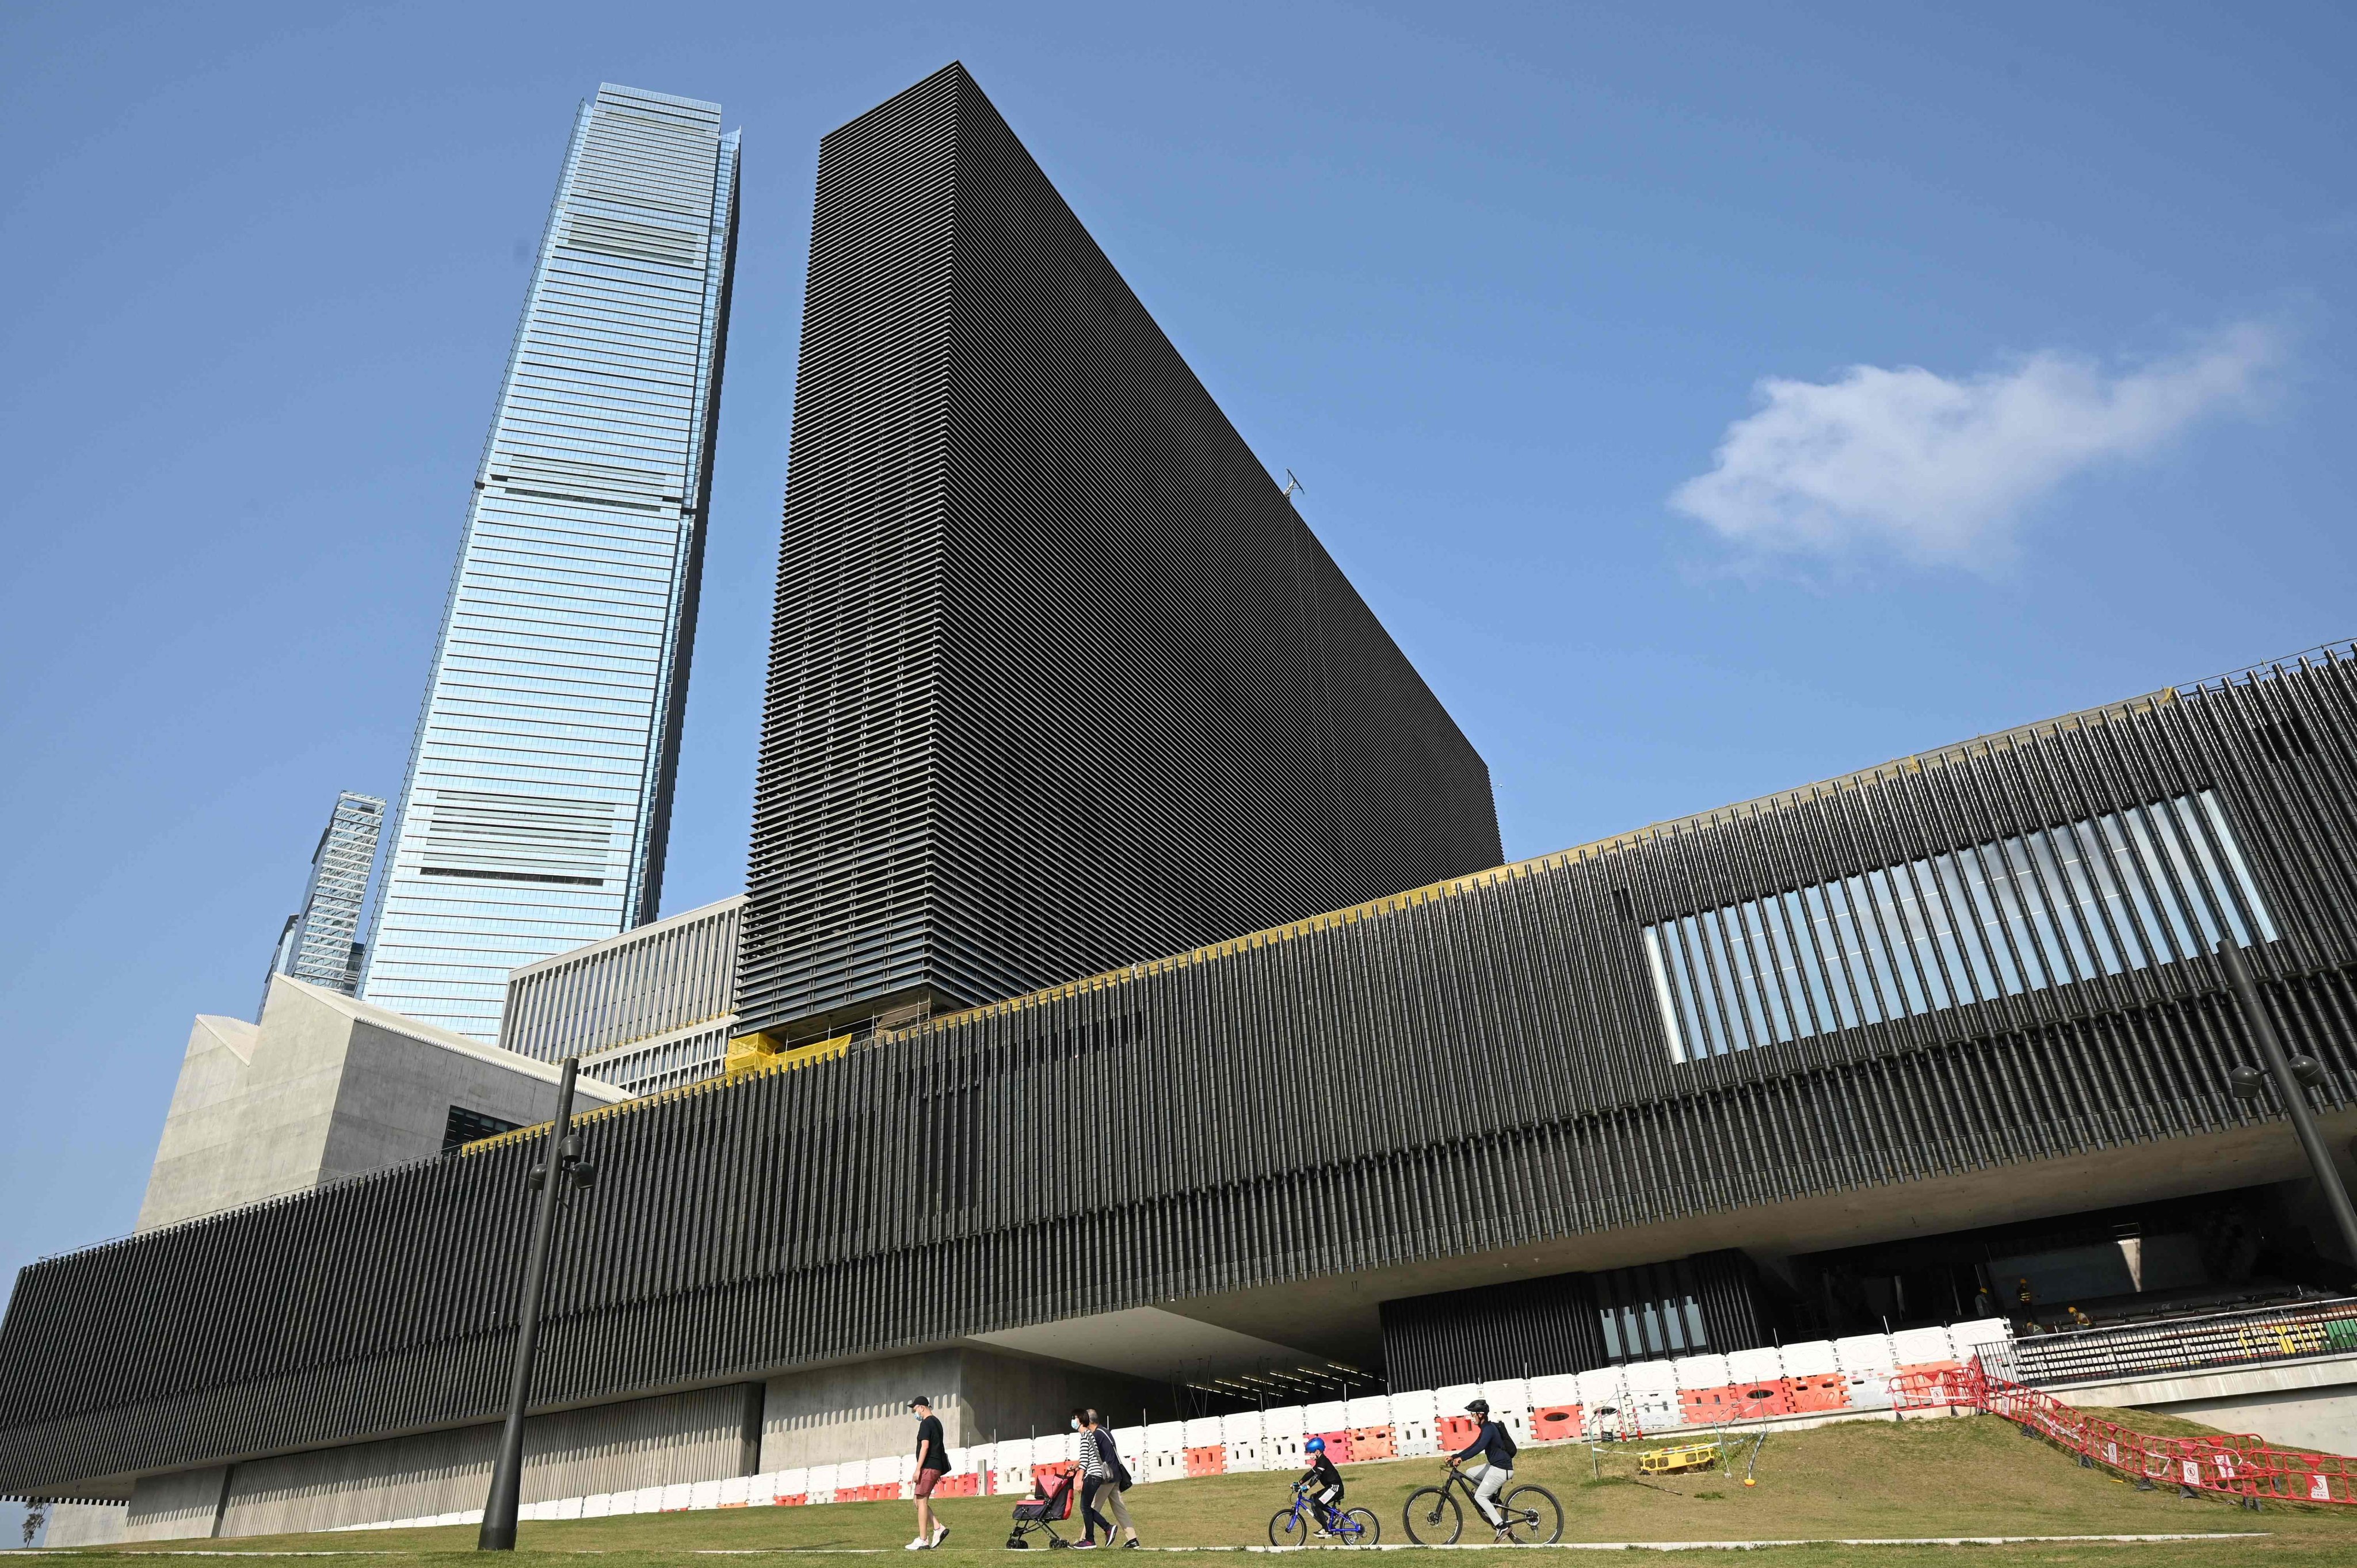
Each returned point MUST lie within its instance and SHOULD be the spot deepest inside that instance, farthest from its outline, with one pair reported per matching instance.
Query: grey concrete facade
(705, 1434)
(860, 1410)
(322, 1088)
(818, 1417)
(84, 1524)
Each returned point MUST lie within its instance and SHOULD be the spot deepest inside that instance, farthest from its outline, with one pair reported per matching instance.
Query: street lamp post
(2291, 1076)
(561, 1166)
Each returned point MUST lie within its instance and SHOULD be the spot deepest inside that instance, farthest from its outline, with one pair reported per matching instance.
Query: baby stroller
(1041, 1514)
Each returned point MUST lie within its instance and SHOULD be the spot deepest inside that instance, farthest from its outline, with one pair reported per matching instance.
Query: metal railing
(2253, 1337)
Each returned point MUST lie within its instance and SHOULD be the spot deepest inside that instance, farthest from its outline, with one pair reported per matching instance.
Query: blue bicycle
(1348, 1527)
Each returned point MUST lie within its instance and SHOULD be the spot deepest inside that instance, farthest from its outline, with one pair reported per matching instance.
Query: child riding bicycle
(1323, 1485)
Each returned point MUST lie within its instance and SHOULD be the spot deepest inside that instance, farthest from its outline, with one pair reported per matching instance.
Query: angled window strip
(2126, 890)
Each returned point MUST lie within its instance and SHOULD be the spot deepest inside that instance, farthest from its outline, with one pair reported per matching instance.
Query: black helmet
(1478, 1407)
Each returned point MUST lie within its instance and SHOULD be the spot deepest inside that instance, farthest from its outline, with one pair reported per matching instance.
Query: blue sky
(1709, 397)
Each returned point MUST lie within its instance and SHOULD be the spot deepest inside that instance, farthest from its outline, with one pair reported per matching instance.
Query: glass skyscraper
(540, 787)
(320, 941)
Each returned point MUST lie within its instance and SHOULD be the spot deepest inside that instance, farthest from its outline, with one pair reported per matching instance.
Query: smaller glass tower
(320, 942)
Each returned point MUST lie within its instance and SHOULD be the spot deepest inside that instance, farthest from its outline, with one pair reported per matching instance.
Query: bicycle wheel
(1288, 1527)
(1532, 1516)
(1432, 1518)
(1361, 1527)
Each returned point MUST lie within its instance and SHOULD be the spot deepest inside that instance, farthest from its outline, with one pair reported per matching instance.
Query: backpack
(1507, 1438)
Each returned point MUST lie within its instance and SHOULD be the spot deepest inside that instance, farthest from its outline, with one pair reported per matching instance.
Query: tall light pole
(2291, 1076)
(561, 1166)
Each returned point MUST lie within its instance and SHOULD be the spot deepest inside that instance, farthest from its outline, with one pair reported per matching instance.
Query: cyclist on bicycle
(1324, 1484)
(1494, 1446)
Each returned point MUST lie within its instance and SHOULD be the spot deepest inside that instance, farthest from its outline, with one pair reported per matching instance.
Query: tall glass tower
(540, 785)
(320, 941)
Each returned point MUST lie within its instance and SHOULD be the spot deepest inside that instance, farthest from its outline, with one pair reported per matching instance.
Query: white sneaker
(940, 1533)
(916, 1546)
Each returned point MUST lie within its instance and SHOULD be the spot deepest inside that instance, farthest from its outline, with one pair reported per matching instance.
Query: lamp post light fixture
(2292, 1076)
(562, 1155)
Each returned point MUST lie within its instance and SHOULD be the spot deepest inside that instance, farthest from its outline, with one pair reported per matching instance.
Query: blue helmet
(1315, 1445)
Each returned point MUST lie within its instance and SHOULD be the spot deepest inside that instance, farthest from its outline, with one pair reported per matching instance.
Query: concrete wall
(707, 1435)
(85, 1524)
(325, 1088)
(174, 1507)
(860, 1411)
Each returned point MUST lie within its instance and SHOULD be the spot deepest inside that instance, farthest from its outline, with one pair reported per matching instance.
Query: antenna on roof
(1292, 483)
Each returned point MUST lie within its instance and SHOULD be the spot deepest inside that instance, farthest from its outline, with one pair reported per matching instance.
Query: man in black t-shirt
(933, 1463)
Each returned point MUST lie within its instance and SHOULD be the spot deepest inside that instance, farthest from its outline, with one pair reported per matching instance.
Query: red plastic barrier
(1707, 1407)
(1826, 1391)
(1371, 1443)
(1207, 1461)
(966, 1485)
(790, 1500)
(1338, 1446)
(1553, 1422)
(1457, 1430)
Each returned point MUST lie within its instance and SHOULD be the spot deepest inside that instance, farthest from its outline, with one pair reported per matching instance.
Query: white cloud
(1939, 470)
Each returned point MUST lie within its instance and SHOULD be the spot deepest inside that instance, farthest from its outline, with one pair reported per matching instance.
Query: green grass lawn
(1974, 1476)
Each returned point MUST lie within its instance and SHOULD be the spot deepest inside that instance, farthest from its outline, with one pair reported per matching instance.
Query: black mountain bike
(1529, 1516)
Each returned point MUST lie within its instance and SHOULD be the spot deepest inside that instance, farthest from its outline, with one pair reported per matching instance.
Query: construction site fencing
(2243, 1466)
(2180, 1345)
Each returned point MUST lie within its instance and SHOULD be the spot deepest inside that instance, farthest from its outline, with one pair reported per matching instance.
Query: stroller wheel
(1017, 1543)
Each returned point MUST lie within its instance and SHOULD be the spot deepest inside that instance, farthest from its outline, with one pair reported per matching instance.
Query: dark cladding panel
(1495, 1077)
(1123, 703)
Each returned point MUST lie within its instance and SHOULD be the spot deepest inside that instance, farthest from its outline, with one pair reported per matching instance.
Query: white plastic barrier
(703, 1494)
(794, 1483)
(675, 1496)
(1969, 1339)
(1370, 1410)
(1203, 1432)
(1325, 1415)
(1696, 1372)
(1282, 1428)
(647, 1499)
(1748, 1369)
(1866, 1363)
(1555, 1388)
(1411, 1423)
(822, 1482)
(597, 1505)
(1452, 1398)
(1810, 1359)
(1509, 1404)
(736, 1492)
(1864, 1353)
(1600, 1395)
(1239, 1436)
(1652, 1390)
(1922, 1347)
(1129, 1442)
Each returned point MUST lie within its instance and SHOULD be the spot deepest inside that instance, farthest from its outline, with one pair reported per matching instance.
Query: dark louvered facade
(1498, 1099)
(1059, 680)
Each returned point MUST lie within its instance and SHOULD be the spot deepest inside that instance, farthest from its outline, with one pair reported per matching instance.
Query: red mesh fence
(2244, 1467)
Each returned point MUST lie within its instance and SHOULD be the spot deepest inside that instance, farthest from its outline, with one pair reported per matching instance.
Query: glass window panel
(2099, 896)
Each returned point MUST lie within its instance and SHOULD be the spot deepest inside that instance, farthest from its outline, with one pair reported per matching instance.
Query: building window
(2127, 890)
(464, 1126)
